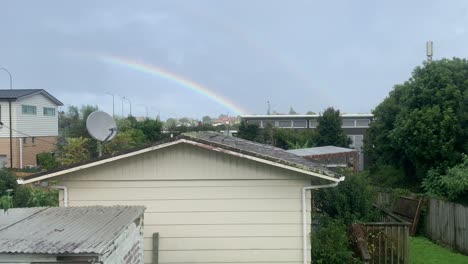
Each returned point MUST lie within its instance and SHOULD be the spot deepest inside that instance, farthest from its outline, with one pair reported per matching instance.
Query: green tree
(248, 131)
(151, 129)
(329, 131)
(128, 139)
(422, 124)
(76, 150)
(207, 120)
(291, 111)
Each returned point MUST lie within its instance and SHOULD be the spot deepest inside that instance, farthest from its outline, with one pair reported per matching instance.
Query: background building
(34, 125)
(355, 126)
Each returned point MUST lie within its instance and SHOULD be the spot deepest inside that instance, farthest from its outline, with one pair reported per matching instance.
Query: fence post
(155, 248)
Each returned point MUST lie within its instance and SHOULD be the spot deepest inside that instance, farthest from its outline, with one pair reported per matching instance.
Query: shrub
(350, 201)
(47, 160)
(453, 185)
(330, 243)
(387, 176)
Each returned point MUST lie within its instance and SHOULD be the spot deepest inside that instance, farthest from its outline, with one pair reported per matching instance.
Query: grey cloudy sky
(305, 54)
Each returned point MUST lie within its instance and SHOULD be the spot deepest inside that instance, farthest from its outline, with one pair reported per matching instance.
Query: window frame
(23, 107)
(48, 108)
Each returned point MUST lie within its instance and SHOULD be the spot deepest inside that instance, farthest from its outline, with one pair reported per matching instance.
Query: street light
(9, 105)
(129, 102)
(113, 104)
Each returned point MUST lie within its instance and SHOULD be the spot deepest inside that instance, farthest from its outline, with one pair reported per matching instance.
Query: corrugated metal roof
(64, 230)
(19, 93)
(320, 151)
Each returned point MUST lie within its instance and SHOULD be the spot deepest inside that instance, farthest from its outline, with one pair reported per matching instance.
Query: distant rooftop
(319, 151)
(16, 94)
(304, 116)
(63, 230)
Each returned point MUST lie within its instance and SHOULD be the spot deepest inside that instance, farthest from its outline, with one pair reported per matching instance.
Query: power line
(40, 139)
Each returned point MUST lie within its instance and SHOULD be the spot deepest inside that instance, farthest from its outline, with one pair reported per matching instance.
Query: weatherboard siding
(207, 206)
(34, 125)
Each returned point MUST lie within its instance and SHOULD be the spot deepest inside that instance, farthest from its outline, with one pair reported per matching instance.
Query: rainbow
(172, 77)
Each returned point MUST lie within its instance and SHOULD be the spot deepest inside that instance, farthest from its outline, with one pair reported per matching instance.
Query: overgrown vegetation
(335, 209)
(422, 127)
(453, 184)
(14, 195)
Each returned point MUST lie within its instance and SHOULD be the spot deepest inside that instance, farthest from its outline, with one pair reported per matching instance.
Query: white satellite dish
(101, 126)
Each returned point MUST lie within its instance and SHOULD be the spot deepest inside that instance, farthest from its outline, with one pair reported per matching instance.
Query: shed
(95, 234)
(330, 156)
(211, 198)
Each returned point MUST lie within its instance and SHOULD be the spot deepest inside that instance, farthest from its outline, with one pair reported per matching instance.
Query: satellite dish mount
(101, 126)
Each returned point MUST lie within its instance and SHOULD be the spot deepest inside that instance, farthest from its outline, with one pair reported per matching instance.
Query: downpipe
(304, 213)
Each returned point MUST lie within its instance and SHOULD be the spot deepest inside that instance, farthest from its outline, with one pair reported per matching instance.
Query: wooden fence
(447, 223)
(383, 242)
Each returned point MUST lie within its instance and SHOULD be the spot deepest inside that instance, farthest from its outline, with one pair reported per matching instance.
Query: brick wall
(30, 150)
(128, 247)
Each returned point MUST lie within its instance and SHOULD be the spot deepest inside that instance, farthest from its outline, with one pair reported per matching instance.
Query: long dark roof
(221, 142)
(64, 230)
(256, 149)
(16, 94)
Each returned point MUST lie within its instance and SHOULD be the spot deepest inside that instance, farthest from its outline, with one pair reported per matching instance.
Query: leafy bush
(453, 185)
(350, 201)
(47, 160)
(7, 181)
(76, 150)
(387, 176)
(330, 243)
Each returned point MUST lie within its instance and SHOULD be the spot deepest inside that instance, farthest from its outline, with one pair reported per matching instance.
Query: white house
(212, 198)
(34, 125)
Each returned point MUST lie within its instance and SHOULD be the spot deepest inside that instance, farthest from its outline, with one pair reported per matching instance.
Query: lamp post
(9, 106)
(129, 102)
(113, 104)
(122, 100)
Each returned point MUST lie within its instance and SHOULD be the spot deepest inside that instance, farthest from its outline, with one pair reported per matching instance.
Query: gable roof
(215, 142)
(18, 94)
(64, 230)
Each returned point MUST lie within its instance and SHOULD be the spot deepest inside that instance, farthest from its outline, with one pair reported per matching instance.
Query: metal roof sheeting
(320, 151)
(64, 230)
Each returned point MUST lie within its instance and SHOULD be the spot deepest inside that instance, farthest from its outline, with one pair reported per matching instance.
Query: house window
(25, 140)
(300, 123)
(362, 122)
(348, 122)
(48, 111)
(284, 123)
(29, 109)
(313, 123)
(33, 140)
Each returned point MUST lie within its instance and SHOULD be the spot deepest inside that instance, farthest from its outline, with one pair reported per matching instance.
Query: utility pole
(113, 104)
(122, 98)
(268, 107)
(130, 103)
(9, 106)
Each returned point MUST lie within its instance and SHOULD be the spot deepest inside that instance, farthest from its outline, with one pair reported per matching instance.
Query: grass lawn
(422, 250)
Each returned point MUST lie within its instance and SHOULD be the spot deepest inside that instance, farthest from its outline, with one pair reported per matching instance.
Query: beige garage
(212, 199)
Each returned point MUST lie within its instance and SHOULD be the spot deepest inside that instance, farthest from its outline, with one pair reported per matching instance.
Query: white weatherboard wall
(208, 207)
(5, 117)
(34, 125)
